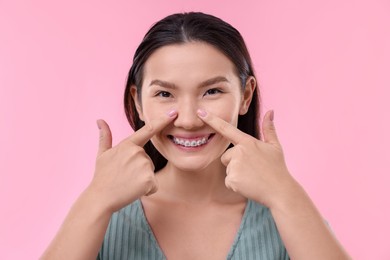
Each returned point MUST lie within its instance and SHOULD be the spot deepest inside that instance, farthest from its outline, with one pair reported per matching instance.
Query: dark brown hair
(191, 27)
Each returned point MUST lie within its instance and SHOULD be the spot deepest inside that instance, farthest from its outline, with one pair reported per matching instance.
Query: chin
(192, 166)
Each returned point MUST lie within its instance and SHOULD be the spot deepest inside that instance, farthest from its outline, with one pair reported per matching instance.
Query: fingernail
(172, 113)
(202, 113)
(271, 116)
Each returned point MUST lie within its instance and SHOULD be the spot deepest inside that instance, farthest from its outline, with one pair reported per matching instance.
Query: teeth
(190, 143)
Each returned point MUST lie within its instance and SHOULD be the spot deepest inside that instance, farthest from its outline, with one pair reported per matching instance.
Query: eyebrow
(203, 84)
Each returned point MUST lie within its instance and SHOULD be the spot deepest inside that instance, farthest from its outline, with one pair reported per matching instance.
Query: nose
(187, 117)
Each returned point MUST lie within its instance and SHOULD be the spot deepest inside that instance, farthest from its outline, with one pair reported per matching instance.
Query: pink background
(323, 67)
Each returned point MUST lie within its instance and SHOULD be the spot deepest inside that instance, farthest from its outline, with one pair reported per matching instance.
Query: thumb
(105, 137)
(269, 130)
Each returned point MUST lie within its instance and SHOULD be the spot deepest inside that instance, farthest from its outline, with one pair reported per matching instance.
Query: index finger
(224, 128)
(143, 135)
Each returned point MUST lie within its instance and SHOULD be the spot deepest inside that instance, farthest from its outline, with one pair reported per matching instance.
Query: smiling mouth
(193, 142)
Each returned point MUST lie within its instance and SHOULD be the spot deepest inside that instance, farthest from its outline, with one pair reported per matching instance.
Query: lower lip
(192, 148)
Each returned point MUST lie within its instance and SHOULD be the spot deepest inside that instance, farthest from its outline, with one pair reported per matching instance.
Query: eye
(212, 91)
(163, 94)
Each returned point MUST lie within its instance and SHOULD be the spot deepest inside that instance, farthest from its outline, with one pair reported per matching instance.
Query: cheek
(153, 110)
(150, 109)
(230, 116)
(149, 114)
(229, 113)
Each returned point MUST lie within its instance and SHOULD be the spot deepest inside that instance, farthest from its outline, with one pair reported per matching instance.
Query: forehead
(188, 62)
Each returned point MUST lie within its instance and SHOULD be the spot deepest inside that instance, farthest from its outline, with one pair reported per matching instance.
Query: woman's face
(187, 77)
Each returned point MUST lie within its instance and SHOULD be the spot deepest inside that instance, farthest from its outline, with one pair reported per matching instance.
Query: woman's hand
(125, 172)
(256, 169)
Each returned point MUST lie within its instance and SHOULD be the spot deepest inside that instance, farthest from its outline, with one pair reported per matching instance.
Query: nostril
(188, 120)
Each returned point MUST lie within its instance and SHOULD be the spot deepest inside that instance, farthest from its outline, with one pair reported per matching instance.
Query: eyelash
(215, 90)
(166, 94)
(163, 94)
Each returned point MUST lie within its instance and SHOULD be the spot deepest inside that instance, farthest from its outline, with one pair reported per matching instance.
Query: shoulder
(259, 237)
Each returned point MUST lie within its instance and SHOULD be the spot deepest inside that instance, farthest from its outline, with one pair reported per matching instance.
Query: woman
(194, 181)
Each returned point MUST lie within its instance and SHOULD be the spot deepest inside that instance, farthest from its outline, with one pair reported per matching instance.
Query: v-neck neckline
(154, 239)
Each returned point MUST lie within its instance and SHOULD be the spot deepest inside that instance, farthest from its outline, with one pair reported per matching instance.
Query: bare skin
(113, 187)
(203, 226)
(266, 180)
(302, 228)
(195, 204)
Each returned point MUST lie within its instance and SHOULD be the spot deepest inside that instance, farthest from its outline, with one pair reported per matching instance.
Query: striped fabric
(129, 236)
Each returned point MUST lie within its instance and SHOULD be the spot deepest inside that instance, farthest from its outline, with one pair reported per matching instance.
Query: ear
(137, 102)
(250, 87)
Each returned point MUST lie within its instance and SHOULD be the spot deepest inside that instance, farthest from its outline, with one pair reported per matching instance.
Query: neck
(200, 186)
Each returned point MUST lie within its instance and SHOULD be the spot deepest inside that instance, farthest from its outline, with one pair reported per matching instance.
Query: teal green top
(129, 236)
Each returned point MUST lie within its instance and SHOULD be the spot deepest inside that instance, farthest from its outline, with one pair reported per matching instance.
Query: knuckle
(146, 165)
(102, 136)
(230, 183)
(149, 179)
(224, 161)
(149, 182)
(149, 128)
(133, 150)
(137, 150)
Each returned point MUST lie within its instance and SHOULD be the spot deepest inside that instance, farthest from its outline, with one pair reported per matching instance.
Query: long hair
(191, 27)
